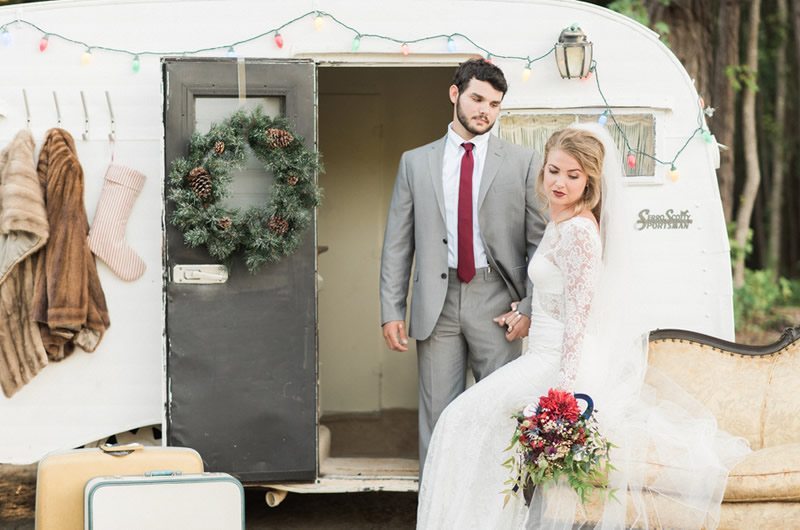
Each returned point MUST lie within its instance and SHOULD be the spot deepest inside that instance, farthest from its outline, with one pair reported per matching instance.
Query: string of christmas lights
(630, 160)
(319, 22)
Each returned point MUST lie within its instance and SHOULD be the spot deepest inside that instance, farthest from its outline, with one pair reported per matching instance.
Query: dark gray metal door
(241, 355)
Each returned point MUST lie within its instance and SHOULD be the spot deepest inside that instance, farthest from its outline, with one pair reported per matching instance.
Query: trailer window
(533, 130)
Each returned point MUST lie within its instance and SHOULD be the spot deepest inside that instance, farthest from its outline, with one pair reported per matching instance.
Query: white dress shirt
(451, 176)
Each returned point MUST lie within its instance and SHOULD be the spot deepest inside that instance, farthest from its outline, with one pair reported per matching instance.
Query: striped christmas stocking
(107, 234)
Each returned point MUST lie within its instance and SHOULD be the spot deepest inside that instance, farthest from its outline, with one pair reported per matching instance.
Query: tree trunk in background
(793, 199)
(690, 30)
(753, 173)
(723, 98)
(775, 204)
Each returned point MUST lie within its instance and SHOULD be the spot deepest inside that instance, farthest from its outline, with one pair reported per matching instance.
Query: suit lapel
(435, 161)
(494, 158)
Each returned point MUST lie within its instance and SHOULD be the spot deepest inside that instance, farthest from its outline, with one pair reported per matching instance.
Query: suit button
(444, 276)
(444, 241)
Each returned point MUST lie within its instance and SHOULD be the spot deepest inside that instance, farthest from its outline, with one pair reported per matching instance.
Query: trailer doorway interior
(368, 394)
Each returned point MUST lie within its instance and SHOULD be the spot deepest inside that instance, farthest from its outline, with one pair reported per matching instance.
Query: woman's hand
(517, 323)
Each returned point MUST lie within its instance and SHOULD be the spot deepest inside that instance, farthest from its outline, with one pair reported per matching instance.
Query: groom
(464, 206)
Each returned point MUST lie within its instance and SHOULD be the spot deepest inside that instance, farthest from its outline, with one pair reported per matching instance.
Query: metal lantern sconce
(573, 53)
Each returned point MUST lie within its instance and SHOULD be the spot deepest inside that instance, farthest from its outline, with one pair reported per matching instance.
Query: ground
(392, 433)
(356, 511)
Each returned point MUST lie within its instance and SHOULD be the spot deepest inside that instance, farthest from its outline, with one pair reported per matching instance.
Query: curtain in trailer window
(533, 130)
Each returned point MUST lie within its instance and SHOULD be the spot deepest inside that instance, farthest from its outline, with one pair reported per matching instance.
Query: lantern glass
(573, 53)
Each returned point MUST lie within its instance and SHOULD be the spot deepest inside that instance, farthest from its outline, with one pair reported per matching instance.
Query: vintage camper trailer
(249, 368)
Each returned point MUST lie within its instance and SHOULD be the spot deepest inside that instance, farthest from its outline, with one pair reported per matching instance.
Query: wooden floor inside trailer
(365, 452)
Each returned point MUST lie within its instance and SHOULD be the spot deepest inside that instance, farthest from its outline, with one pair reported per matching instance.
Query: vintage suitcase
(62, 477)
(164, 501)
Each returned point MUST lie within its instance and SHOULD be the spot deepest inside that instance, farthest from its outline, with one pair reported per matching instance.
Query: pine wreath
(198, 182)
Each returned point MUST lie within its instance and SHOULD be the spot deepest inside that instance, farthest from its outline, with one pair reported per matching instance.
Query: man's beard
(464, 121)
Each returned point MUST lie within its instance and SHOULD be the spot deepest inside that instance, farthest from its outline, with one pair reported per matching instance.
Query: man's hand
(517, 323)
(394, 333)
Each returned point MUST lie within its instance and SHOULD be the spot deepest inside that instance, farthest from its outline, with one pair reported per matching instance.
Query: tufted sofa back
(750, 390)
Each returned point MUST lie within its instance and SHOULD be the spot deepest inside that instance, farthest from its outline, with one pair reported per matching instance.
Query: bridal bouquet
(553, 439)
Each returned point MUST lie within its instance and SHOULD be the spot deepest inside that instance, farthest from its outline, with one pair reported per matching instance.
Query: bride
(671, 460)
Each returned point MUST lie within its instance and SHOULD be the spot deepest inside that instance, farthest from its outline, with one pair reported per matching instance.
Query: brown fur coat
(23, 231)
(69, 302)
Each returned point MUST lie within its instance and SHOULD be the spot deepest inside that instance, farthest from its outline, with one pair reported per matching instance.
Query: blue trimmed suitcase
(164, 500)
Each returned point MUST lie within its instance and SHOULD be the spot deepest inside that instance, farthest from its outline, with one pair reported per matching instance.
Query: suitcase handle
(121, 449)
(163, 473)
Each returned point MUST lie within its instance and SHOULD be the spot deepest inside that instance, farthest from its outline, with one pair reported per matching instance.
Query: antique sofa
(754, 392)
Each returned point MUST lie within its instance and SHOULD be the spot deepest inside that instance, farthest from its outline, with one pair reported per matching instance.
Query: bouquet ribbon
(589, 405)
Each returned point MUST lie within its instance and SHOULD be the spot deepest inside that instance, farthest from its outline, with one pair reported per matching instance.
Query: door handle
(200, 274)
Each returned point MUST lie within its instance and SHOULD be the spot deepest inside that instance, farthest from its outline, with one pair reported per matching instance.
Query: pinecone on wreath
(278, 138)
(224, 223)
(292, 180)
(219, 147)
(200, 182)
(278, 224)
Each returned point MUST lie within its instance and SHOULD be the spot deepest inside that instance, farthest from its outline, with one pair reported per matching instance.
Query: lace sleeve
(577, 255)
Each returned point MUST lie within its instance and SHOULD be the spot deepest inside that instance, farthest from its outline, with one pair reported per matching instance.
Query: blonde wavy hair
(589, 152)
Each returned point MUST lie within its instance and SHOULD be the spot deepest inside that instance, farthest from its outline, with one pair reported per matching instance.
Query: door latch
(202, 274)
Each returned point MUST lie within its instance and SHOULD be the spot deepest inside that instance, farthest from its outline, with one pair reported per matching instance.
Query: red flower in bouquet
(560, 405)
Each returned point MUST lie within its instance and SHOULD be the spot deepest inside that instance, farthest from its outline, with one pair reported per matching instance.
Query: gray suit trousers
(464, 333)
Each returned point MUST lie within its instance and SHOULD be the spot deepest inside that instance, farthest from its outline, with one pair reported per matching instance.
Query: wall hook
(27, 108)
(112, 136)
(58, 109)
(85, 135)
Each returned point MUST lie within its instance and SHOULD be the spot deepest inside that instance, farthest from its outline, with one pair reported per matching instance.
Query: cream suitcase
(164, 501)
(61, 477)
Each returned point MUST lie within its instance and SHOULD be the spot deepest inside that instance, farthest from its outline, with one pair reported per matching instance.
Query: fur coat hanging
(69, 303)
(23, 231)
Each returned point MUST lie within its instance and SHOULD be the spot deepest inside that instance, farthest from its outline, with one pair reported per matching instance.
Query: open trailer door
(241, 354)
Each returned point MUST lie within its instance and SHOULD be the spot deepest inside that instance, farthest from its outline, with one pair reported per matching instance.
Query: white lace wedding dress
(463, 475)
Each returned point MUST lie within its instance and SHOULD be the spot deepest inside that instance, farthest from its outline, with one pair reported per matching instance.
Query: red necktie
(466, 257)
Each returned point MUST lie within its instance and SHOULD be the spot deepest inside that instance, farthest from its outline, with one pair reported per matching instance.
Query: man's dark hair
(481, 70)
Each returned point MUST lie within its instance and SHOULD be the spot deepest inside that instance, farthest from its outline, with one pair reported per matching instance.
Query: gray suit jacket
(509, 216)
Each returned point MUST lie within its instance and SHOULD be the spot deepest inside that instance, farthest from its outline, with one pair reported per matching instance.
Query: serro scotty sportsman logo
(668, 220)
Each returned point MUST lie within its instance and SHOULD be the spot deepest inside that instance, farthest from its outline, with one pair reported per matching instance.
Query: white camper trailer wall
(89, 396)
(115, 46)
(79, 399)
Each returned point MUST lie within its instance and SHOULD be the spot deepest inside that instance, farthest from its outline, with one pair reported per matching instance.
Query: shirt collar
(480, 141)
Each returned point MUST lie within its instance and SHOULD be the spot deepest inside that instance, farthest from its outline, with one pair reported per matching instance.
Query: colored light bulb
(603, 119)
(707, 136)
(6, 38)
(356, 43)
(404, 49)
(488, 58)
(631, 160)
(231, 52)
(43, 43)
(86, 58)
(526, 73)
(451, 44)
(319, 22)
(136, 65)
(673, 173)
(279, 40)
